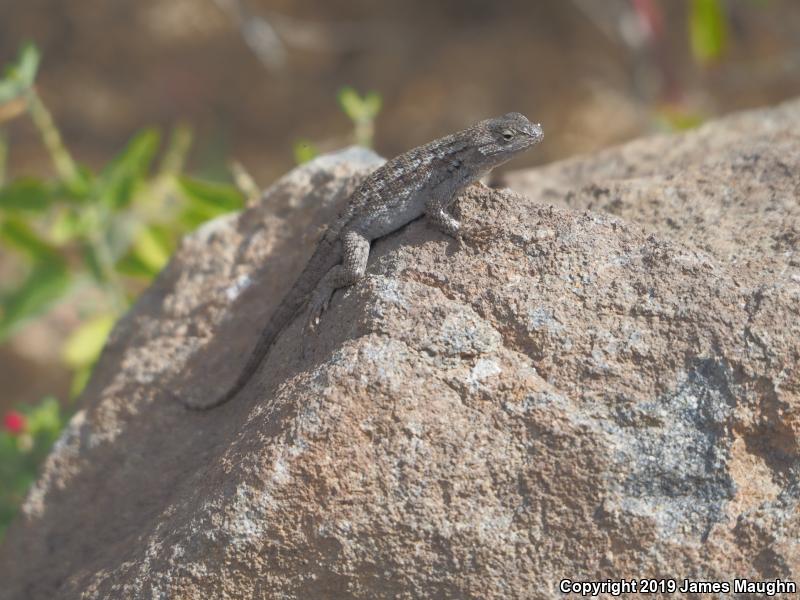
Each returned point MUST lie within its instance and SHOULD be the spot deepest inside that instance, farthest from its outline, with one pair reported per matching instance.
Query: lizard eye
(507, 134)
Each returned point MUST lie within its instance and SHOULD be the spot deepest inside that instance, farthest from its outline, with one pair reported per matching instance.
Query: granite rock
(572, 395)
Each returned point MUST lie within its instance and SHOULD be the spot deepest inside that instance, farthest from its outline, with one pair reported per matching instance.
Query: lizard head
(504, 137)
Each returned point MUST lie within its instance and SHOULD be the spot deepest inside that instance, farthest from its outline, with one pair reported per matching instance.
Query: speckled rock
(730, 188)
(570, 396)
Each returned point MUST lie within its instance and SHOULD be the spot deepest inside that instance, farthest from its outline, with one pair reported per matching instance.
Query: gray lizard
(422, 181)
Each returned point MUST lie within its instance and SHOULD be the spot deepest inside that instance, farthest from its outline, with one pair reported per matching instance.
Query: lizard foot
(316, 307)
(478, 236)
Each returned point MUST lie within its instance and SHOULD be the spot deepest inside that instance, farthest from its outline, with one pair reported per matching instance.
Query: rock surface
(576, 396)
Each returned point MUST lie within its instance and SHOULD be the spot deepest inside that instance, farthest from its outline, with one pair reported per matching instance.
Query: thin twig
(41, 117)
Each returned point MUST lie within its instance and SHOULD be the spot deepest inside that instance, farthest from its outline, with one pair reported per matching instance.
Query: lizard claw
(316, 307)
(309, 331)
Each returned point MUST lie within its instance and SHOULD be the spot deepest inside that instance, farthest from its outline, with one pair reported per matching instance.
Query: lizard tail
(327, 255)
(256, 357)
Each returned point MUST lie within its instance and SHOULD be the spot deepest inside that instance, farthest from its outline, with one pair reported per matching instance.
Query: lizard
(421, 181)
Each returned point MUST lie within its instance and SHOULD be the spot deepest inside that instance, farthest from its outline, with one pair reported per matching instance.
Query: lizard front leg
(436, 210)
(355, 252)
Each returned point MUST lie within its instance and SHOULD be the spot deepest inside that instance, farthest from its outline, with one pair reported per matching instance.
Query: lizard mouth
(536, 132)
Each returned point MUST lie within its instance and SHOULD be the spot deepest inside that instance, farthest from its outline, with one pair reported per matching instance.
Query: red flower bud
(14, 422)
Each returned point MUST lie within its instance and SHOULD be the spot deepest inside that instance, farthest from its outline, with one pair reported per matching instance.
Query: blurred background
(125, 124)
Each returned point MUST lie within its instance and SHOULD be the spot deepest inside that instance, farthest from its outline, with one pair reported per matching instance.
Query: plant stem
(68, 171)
(364, 131)
(245, 182)
(3, 157)
(163, 184)
(102, 251)
(175, 155)
(41, 117)
(113, 284)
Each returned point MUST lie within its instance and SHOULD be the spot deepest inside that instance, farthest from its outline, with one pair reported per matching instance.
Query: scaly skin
(422, 181)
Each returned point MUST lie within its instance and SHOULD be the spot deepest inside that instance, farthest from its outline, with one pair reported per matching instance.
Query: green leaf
(20, 76)
(149, 253)
(44, 418)
(93, 263)
(3, 157)
(350, 102)
(676, 119)
(152, 247)
(120, 179)
(207, 200)
(26, 194)
(79, 381)
(221, 197)
(304, 151)
(359, 109)
(21, 455)
(46, 283)
(78, 189)
(83, 346)
(708, 30)
(132, 266)
(66, 226)
(18, 234)
(372, 104)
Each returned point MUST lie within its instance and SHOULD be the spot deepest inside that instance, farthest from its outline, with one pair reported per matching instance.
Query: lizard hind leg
(355, 252)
